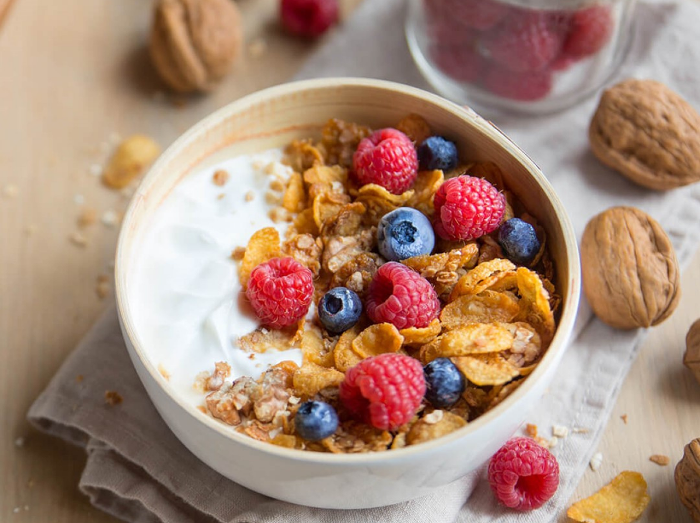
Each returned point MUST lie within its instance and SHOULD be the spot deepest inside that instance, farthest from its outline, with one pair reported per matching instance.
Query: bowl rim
(557, 346)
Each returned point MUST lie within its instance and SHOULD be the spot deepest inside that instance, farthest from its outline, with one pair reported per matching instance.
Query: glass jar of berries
(532, 56)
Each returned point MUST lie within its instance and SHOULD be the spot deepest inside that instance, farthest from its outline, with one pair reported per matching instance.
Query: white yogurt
(189, 308)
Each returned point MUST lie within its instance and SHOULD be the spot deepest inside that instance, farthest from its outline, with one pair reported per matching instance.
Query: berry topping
(523, 475)
(524, 87)
(444, 383)
(384, 391)
(591, 29)
(526, 41)
(403, 233)
(437, 153)
(309, 18)
(315, 420)
(401, 296)
(519, 241)
(467, 208)
(386, 157)
(339, 309)
(280, 291)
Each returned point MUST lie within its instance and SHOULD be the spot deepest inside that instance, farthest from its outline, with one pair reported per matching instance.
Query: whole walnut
(194, 42)
(630, 272)
(648, 133)
(691, 358)
(687, 476)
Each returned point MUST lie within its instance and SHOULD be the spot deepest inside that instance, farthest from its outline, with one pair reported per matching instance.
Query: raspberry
(386, 157)
(591, 29)
(467, 208)
(525, 41)
(459, 61)
(401, 296)
(524, 87)
(523, 475)
(384, 391)
(280, 291)
(309, 18)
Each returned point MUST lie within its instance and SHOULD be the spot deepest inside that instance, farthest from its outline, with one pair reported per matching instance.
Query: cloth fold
(138, 471)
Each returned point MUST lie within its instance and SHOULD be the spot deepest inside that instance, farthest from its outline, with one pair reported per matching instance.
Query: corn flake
(487, 307)
(621, 501)
(376, 339)
(294, 199)
(343, 355)
(475, 338)
(426, 185)
(534, 304)
(310, 378)
(482, 277)
(423, 430)
(421, 335)
(302, 155)
(486, 369)
(415, 127)
(327, 205)
(313, 348)
(263, 245)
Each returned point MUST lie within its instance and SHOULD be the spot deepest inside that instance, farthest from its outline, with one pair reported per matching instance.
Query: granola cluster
(496, 321)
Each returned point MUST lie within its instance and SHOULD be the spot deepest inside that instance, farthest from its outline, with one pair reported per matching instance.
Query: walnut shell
(691, 358)
(687, 476)
(630, 272)
(648, 133)
(194, 42)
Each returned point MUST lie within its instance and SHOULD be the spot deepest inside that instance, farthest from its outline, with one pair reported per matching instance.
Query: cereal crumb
(596, 461)
(202, 409)
(113, 398)
(434, 417)
(531, 430)
(221, 177)
(580, 430)
(249, 196)
(78, 239)
(19, 442)
(78, 199)
(79, 378)
(87, 217)
(103, 287)
(221, 196)
(257, 47)
(560, 431)
(96, 169)
(109, 218)
(163, 372)
(10, 190)
(238, 253)
(293, 400)
(272, 198)
(660, 459)
(624, 418)
(277, 185)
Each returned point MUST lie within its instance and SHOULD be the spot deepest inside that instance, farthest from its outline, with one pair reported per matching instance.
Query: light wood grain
(73, 73)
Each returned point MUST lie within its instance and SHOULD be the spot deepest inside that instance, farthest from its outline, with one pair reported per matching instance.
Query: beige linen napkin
(138, 471)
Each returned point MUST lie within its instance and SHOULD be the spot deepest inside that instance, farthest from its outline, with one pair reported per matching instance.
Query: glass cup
(533, 56)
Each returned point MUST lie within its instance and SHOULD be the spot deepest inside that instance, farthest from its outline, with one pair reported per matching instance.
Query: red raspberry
(524, 87)
(523, 475)
(525, 41)
(460, 61)
(309, 18)
(388, 158)
(384, 391)
(280, 291)
(401, 296)
(467, 208)
(591, 29)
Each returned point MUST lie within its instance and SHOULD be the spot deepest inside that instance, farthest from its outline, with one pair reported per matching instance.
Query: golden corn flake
(310, 378)
(302, 155)
(314, 349)
(304, 222)
(294, 199)
(621, 501)
(129, 161)
(327, 205)
(377, 339)
(415, 127)
(262, 246)
(475, 338)
(486, 369)
(346, 222)
(534, 304)
(487, 307)
(379, 201)
(424, 188)
(428, 428)
(287, 441)
(262, 339)
(503, 392)
(343, 355)
(421, 335)
(481, 277)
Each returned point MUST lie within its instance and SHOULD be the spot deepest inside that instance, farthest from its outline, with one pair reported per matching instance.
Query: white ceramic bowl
(272, 118)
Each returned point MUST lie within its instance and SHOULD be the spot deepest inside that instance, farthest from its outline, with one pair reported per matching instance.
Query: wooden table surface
(74, 76)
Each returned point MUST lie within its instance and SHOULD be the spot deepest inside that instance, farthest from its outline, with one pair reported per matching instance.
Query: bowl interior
(274, 117)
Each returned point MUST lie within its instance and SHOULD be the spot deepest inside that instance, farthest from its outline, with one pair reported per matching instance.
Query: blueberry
(403, 233)
(437, 153)
(519, 241)
(339, 309)
(315, 420)
(444, 383)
